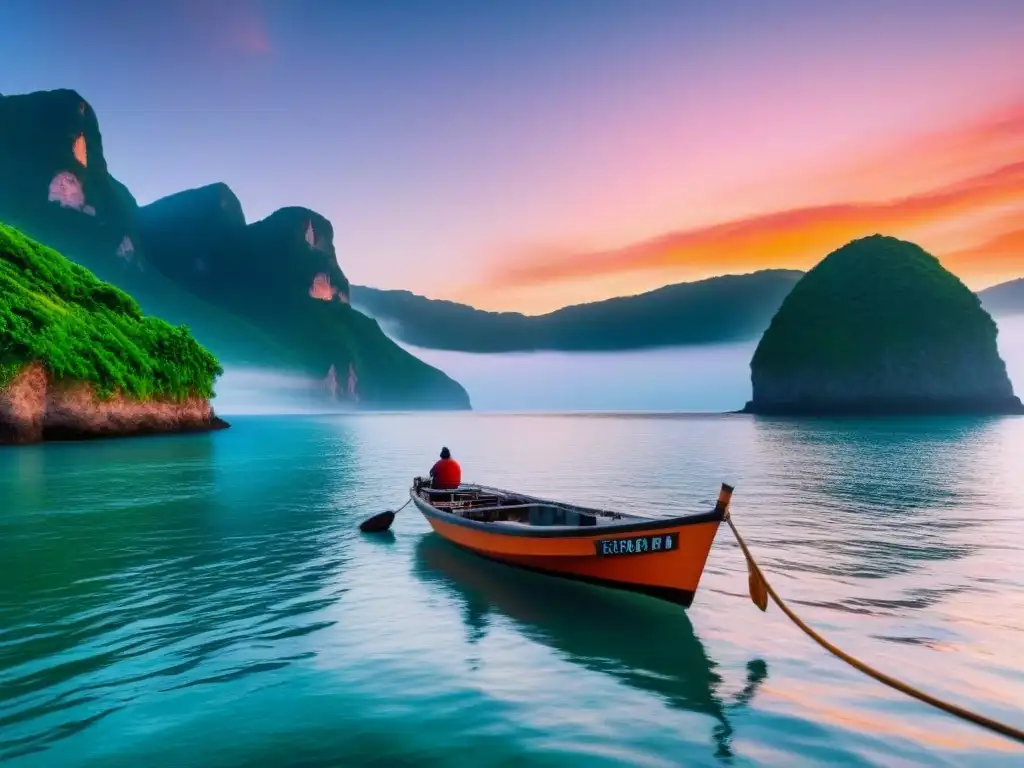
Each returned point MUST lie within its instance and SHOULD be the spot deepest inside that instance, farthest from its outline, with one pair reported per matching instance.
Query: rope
(757, 579)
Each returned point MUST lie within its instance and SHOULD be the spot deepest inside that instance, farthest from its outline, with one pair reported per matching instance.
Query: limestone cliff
(55, 178)
(35, 408)
(281, 274)
(270, 294)
(56, 187)
(880, 327)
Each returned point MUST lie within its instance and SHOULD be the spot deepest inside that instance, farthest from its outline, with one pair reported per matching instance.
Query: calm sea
(208, 601)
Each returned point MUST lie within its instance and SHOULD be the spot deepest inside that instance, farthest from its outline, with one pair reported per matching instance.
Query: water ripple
(209, 600)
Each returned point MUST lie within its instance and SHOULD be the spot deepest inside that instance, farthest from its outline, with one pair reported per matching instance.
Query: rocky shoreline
(35, 409)
(1010, 406)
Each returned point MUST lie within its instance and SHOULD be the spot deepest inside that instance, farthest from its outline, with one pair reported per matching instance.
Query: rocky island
(78, 359)
(879, 327)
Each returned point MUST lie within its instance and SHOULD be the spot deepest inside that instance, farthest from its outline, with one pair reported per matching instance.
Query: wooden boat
(660, 557)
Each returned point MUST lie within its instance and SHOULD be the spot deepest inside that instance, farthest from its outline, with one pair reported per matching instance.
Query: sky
(531, 154)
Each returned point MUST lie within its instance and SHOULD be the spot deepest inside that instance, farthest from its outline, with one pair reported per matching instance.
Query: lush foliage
(82, 329)
(874, 295)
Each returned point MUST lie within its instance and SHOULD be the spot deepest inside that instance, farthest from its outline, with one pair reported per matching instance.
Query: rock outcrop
(34, 408)
(269, 294)
(78, 359)
(55, 179)
(281, 275)
(880, 327)
(187, 227)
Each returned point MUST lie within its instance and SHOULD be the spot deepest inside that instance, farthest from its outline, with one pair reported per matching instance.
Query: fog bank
(245, 391)
(711, 378)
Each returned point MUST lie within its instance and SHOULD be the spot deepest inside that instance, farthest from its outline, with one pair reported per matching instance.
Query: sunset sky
(526, 155)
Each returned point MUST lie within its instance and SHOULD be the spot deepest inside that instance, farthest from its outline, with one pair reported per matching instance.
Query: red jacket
(446, 473)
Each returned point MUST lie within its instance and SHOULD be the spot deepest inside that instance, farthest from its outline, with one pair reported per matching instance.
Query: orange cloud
(956, 178)
(995, 260)
(811, 698)
(795, 238)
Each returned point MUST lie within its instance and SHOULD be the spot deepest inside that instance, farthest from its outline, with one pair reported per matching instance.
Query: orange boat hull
(669, 568)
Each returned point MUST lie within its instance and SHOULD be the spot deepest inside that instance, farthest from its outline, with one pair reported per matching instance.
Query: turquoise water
(208, 601)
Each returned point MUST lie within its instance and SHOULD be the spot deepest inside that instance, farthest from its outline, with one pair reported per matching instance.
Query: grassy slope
(232, 339)
(82, 329)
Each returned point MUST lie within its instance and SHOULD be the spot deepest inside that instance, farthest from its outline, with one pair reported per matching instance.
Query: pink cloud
(236, 25)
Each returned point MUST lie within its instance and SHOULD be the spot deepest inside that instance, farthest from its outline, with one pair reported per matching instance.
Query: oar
(381, 521)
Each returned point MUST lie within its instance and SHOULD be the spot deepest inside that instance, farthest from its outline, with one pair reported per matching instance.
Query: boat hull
(662, 559)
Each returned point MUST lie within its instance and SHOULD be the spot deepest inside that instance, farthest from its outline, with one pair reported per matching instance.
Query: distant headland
(879, 327)
(79, 359)
(716, 310)
(713, 311)
(268, 294)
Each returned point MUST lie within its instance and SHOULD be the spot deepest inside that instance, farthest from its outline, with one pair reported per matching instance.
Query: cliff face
(33, 408)
(281, 274)
(270, 294)
(79, 359)
(186, 228)
(880, 327)
(55, 178)
(55, 187)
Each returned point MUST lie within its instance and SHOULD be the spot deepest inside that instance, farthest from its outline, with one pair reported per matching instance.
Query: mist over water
(255, 391)
(710, 378)
(1011, 347)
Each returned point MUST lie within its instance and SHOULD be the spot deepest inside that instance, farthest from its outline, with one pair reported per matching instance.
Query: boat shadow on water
(648, 645)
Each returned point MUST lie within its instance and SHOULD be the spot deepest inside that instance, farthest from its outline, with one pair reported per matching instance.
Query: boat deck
(493, 505)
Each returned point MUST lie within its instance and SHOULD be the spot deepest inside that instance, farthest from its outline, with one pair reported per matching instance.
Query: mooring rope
(759, 585)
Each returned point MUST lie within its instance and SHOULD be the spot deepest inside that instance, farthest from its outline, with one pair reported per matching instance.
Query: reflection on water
(638, 641)
(133, 564)
(208, 600)
(884, 499)
(896, 504)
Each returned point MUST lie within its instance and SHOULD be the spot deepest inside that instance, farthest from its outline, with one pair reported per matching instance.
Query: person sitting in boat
(446, 472)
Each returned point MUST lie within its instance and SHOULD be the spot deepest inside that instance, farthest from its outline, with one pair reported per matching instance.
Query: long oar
(381, 521)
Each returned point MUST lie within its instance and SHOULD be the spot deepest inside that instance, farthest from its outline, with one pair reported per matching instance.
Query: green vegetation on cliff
(81, 329)
(872, 293)
(880, 326)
